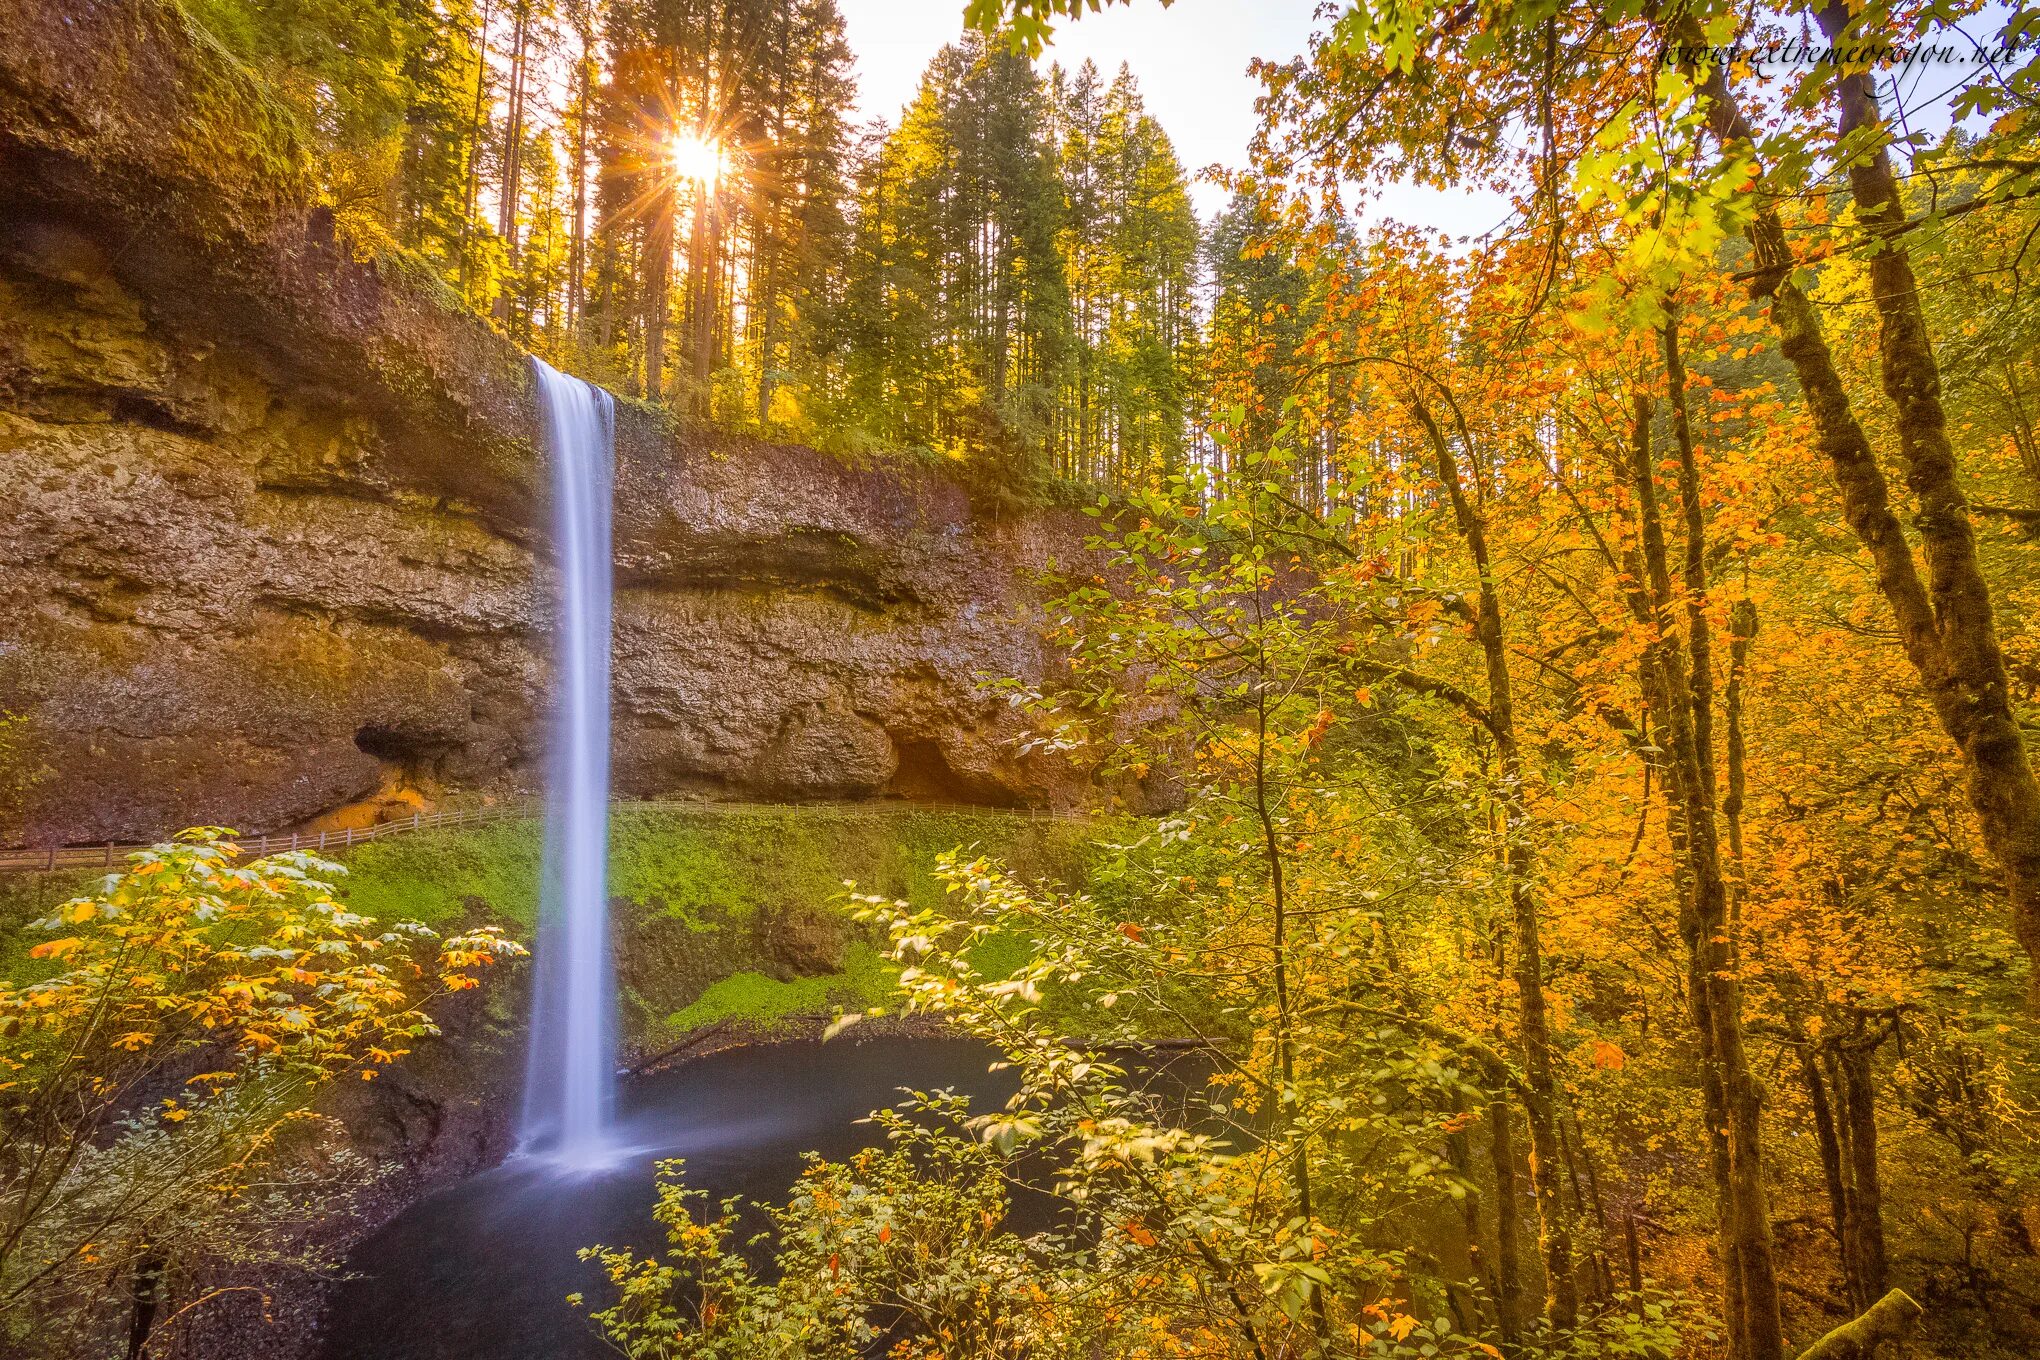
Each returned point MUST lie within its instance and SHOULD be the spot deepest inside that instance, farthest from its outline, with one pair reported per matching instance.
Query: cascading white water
(570, 1074)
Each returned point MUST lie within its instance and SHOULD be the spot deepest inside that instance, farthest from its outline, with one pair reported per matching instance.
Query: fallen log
(1150, 1045)
(698, 1037)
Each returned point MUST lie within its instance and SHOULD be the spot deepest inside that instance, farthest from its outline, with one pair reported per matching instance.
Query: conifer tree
(962, 308)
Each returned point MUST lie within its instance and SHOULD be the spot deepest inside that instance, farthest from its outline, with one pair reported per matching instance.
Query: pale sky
(1191, 62)
(1190, 59)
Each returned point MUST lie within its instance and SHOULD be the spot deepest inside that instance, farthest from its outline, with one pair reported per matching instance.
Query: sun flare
(695, 157)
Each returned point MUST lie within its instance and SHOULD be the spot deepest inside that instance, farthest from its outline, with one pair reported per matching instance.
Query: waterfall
(570, 1076)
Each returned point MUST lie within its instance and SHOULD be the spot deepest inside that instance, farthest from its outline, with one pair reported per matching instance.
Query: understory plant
(157, 1119)
(1109, 1208)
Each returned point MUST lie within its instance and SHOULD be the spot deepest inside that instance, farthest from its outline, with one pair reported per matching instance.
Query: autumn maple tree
(160, 1074)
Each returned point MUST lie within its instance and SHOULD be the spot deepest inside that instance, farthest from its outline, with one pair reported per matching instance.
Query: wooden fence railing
(331, 842)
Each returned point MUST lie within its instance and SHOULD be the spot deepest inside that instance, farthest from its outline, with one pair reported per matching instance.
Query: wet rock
(827, 749)
(804, 940)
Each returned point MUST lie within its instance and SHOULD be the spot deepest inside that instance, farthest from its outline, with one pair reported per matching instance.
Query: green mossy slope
(720, 915)
(708, 868)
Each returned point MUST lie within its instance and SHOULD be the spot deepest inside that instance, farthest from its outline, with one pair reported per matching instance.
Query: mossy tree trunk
(1964, 667)
(1945, 622)
(1540, 1104)
(1679, 685)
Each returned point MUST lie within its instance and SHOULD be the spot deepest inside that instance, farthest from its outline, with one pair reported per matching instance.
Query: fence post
(53, 858)
(350, 835)
(109, 854)
(322, 840)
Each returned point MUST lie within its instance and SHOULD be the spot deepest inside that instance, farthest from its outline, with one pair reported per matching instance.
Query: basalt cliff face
(273, 548)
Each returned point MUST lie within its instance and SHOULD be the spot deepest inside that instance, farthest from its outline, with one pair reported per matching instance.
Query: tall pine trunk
(577, 247)
(513, 149)
(658, 264)
(701, 297)
(477, 133)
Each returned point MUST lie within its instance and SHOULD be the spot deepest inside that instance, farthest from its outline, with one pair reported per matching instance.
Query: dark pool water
(481, 1270)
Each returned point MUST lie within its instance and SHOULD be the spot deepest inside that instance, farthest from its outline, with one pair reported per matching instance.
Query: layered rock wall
(273, 546)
